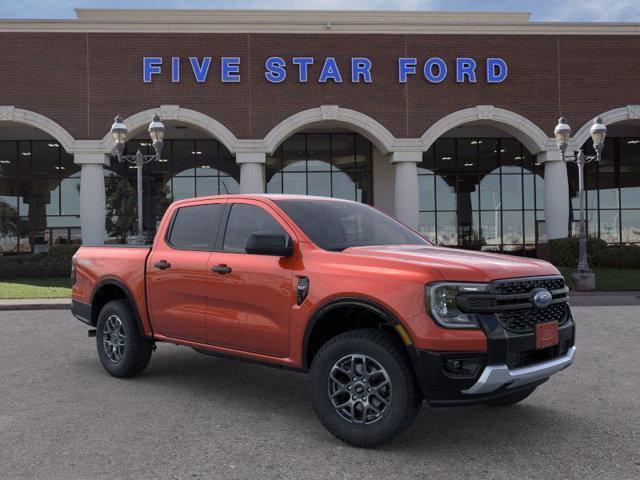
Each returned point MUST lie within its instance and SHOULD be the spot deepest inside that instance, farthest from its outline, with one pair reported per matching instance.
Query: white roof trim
(312, 21)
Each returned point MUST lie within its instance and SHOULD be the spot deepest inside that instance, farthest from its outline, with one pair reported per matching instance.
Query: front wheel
(122, 349)
(363, 388)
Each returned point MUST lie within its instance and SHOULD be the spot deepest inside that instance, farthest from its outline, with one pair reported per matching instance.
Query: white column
(406, 197)
(556, 194)
(251, 171)
(92, 198)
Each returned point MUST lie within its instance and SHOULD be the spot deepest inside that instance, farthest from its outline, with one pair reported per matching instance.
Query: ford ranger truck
(380, 318)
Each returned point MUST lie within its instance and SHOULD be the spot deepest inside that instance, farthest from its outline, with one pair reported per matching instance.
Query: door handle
(162, 265)
(222, 269)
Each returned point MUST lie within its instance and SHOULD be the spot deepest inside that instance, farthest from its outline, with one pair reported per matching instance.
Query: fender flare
(388, 317)
(116, 282)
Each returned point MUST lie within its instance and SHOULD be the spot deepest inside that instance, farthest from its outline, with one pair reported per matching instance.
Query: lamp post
(156, 132)
(562, 133)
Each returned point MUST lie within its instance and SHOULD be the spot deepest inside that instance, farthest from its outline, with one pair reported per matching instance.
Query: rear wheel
(122, 349)
(512, 399)
(363, 388)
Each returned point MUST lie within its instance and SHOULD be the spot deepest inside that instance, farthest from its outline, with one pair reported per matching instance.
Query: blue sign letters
(406, 66)
(230, 69)
(360, 69)
(428, 70)
(303, 67)
(275, 69)
(200, 70)
(496, 70)
(465, 67)
(150, 66)
(330, 71)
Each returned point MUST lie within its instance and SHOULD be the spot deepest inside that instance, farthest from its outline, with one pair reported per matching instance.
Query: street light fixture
(156, 132)
(598, 133)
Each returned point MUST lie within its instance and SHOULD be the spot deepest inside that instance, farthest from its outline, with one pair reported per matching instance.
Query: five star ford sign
(361, 69)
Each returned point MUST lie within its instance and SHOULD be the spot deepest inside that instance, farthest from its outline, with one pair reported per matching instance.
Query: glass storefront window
(39, 195)
(9, 217)
(188, 168)
(512, 191)
(630, 223)
(612, 192)
(630, 191)
(325, 164)
(480, 193)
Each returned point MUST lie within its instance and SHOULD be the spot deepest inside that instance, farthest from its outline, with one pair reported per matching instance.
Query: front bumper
(510, 363)
(495, 377)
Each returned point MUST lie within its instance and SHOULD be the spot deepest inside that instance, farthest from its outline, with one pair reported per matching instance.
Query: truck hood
(460, 265)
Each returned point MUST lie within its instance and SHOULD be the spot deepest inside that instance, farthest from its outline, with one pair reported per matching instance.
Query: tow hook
(92, 333)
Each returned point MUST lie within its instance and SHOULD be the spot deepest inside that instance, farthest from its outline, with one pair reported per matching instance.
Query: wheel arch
(110, 289)
(313, 339)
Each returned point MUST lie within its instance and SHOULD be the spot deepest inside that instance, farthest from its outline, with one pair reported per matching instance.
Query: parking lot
(194, 416)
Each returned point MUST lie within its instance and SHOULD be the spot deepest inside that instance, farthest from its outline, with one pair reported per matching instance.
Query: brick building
(443, 119)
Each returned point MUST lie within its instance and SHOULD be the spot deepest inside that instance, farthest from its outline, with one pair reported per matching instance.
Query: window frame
(213, 238)
(219, 247)
(356, 172)
(431, 175)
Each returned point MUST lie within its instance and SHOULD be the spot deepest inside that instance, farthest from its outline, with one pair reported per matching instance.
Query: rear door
(249, 297)
(177, 271)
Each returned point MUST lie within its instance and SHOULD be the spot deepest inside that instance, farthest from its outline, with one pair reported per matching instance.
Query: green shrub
(620, 256)
(564, 253)
(57, 263)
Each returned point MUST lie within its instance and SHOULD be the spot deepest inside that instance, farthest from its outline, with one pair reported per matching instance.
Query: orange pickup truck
(379, 317)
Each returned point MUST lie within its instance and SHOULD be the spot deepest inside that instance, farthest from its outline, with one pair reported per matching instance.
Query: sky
(542, 10)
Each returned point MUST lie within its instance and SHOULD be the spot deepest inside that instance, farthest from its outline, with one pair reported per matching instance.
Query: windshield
(335, 225)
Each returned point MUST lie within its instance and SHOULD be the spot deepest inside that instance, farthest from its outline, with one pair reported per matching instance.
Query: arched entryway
(39, 184)
(480, 183)
(194, 163)
(331, 163)
(480, 188)
(612, 185)
(329, 151)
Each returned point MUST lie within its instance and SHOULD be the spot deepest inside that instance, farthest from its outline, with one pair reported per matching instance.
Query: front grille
(480, 302)
(525, 286)
(524, 321)
(510, 300)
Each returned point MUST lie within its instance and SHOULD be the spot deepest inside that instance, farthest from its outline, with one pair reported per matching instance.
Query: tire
(510, 399)
(133, 353)
(390, 374)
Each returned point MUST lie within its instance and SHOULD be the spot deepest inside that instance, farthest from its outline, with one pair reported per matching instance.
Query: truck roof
(268, 196)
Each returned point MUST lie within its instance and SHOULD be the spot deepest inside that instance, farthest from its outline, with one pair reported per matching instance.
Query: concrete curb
(36, 304)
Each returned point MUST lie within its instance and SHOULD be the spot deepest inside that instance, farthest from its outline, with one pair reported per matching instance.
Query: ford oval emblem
(541, 298)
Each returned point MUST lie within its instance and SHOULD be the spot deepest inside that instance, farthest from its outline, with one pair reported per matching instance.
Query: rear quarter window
(195, 227)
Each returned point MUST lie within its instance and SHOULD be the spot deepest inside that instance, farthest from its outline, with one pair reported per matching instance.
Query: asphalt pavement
(194, 416)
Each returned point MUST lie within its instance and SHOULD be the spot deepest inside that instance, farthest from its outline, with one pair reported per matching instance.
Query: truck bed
(124, 265)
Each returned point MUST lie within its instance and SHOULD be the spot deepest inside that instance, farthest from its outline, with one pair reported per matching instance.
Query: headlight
(442, 304)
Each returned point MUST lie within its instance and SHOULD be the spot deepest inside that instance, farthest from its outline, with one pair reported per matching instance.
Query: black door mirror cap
(266, 243)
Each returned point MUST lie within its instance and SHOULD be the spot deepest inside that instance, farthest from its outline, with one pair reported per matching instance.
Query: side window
(244, 220)
(194, 228)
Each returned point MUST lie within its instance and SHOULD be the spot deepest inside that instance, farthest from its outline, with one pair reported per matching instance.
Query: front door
(177, 272)
(249, 297)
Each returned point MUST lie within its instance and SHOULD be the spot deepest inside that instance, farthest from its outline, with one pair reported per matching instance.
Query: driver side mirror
(276, 244)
